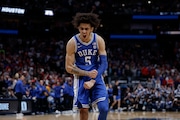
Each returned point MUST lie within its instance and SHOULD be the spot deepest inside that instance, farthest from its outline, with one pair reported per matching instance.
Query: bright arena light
(12, 10)
(48, 12)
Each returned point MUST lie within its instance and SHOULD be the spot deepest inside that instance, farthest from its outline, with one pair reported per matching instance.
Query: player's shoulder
(71, 43)
(71, 40)
(99, 37)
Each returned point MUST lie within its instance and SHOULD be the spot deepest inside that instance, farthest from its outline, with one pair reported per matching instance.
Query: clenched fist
(92, 73)
(89, 84)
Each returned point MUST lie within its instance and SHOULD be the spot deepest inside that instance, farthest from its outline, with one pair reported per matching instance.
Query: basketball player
(86, 58)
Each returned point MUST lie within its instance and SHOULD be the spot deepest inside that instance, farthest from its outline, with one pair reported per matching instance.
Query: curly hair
(90, 18)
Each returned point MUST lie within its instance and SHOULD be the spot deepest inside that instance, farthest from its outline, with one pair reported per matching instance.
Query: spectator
(42, 95)
(59, 96)
(116, 97)
(2, 87)
(110, 93)
(68, 93)
(19, 92)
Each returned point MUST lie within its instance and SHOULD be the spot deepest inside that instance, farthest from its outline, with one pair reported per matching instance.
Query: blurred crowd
(41, 61)
(100, 6)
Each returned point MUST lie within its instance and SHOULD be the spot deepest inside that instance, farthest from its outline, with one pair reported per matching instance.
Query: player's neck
(85, 39)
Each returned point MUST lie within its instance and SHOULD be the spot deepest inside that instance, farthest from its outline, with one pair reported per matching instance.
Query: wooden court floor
(93, 116)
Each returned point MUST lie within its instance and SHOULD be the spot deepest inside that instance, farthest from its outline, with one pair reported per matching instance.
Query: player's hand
(89, 84)
(92, 73)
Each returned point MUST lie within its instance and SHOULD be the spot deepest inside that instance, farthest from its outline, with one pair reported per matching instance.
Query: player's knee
(103, 108)
(83, 110)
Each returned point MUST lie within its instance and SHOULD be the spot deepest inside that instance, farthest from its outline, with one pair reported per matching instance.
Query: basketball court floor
(93, 116)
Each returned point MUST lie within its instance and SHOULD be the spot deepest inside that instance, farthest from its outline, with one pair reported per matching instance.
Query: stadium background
(118, 17)
(137, 32)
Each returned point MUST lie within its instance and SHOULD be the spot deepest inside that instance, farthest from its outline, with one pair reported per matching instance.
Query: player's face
(85, 31)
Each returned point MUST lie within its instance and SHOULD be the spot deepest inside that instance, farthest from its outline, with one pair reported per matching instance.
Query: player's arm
(103, 63)
(70, 60)
(102, 56)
